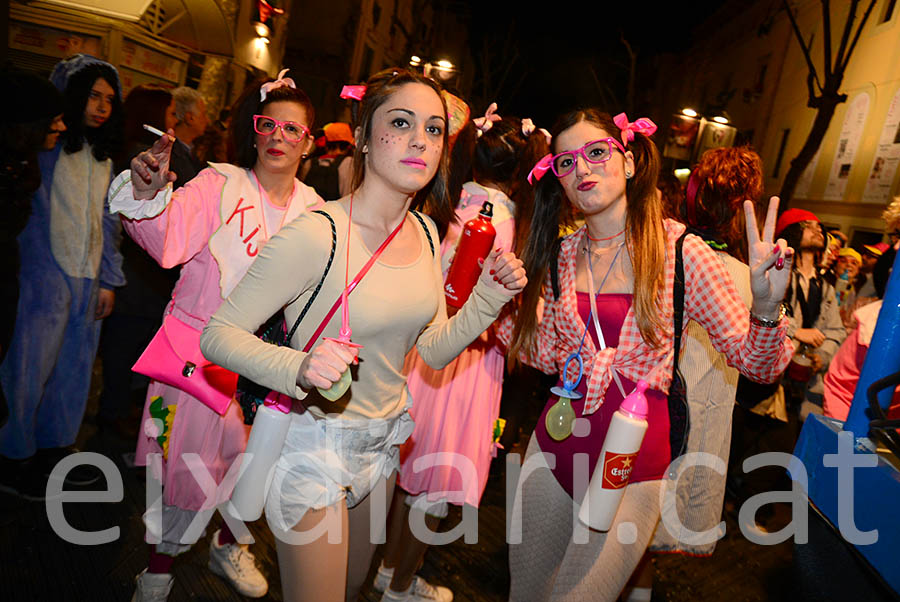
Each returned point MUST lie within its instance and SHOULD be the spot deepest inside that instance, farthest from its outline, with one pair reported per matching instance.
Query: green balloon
(337, 390)
(559, 419)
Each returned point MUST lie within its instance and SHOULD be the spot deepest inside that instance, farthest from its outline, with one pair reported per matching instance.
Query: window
(888, 11)
(376, 14)
(365, 72)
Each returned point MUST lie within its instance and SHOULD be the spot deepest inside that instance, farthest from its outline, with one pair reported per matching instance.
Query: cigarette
(153, 130)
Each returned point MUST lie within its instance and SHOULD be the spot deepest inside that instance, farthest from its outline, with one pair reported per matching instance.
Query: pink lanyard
(352, 285)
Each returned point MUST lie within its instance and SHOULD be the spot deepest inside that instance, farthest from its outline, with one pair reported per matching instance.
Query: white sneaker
(382, 578)
(152, 587)
(234, 563)
(419, 591)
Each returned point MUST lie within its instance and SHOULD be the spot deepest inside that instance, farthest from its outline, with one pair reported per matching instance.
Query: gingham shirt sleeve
(543, 353)
(759, 353)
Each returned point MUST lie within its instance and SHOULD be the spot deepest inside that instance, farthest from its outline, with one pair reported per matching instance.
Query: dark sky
(569, 50)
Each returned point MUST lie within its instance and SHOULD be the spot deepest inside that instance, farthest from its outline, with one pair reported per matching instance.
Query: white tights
(549, 566)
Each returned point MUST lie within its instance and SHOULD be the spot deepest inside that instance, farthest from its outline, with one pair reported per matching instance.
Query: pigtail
(523, 194)
(645, 238)
(550, 211)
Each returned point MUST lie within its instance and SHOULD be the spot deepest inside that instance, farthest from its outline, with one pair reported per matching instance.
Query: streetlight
(442, 70)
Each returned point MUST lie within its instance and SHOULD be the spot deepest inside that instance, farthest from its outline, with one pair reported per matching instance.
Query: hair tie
(457, 114)
(642, 126)
(487, 122)
(279, 82)
(540, 168)
(528, 128)
(353, 92)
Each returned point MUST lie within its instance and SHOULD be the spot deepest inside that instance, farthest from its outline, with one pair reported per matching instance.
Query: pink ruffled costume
(213, 227)
(455, 408)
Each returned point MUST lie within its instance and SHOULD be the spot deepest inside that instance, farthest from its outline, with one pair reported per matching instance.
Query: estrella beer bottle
(475, 242)
(620, 449)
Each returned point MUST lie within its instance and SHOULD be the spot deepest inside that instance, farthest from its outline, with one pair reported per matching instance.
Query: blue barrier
(882, 359)
(875, 489)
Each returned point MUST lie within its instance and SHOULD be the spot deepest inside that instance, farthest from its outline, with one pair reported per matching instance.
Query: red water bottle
(475, 242)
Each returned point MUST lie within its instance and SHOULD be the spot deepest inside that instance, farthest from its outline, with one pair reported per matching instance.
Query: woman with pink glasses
(622, 329)
(214, 227)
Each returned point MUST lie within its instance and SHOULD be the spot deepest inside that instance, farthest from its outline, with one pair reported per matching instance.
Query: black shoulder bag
(251, 395)
(679, 417)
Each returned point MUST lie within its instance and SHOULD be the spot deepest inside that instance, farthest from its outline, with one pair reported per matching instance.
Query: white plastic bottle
(620, 448)
(267, 437)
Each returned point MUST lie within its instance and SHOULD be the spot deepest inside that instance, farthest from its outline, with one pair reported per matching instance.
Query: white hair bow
(279, 82)
(528, 128)
(487, 122)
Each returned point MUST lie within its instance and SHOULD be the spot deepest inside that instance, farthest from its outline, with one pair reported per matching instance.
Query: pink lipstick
(586, 186)
(275, 152)
(414, 162)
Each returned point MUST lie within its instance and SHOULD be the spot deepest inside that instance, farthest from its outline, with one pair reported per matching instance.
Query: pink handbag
(173, 357)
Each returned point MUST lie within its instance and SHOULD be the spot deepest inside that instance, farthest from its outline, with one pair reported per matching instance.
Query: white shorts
(326, 460)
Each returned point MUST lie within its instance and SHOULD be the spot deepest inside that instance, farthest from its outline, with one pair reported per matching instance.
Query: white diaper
(326, 460)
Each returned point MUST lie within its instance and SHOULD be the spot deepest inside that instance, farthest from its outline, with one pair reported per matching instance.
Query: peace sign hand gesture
(770, 262)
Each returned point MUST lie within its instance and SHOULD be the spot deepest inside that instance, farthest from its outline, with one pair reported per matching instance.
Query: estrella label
(617, 469)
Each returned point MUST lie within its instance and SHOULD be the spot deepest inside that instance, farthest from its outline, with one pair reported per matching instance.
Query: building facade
(212, 45)
(746, 60)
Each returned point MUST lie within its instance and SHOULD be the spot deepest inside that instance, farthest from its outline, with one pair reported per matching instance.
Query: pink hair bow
(353, 92)
(528, 128)
(540, 168)
(642, 126)
(487, 122)
(279, 82)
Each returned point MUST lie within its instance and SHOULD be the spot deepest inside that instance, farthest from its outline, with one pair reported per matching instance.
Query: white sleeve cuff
(121, 199)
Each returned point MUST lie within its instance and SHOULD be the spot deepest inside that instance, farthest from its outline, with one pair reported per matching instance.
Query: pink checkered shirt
(711, 299)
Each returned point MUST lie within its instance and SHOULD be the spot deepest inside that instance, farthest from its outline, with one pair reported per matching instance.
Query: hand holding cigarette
(150, 169)
(158, 132)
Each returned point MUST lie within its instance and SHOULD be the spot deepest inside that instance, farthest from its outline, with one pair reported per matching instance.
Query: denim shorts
(326, 460)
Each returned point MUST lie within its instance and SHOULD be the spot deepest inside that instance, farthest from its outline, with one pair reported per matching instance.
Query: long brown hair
(644, 234)
(434, 198)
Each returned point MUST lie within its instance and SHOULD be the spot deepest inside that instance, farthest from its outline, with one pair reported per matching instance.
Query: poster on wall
(131, 79)
(715, 135)
(848, 142)
(51, 42)
(806, 178)
(682, 136)
(887, 157)
(140, 58)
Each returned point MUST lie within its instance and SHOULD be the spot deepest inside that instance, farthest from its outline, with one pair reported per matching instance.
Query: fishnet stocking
(548, 565)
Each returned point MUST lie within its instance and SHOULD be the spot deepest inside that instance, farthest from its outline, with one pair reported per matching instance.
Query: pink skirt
(211, 442)
(449, 453)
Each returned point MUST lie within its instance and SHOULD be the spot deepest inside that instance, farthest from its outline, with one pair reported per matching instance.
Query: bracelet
(766, 322)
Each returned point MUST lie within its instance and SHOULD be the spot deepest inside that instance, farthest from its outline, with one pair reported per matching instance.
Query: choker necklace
(592, 239)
